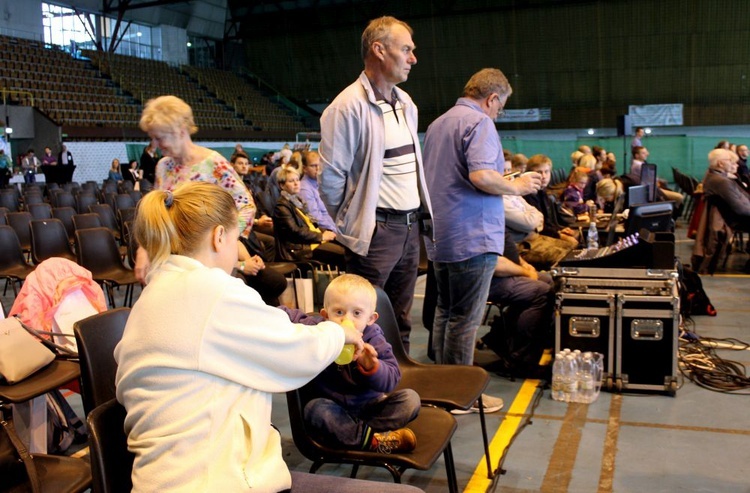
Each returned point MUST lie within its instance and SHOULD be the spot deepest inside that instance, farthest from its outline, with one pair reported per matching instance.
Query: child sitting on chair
(573, 195)
(354, 405)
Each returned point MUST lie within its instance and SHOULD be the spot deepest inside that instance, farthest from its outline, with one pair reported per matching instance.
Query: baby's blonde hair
(351, 283)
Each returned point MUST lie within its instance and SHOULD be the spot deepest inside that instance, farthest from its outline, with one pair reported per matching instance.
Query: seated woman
(114, 171)
(201, 355)
(133, 174)
(298, 237)
(608, 191)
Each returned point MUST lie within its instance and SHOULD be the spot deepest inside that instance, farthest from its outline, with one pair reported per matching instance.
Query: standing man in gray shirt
(372, 179)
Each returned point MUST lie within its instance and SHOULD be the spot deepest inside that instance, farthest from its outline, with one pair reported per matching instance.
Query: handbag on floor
(322, 277)
(17, 468)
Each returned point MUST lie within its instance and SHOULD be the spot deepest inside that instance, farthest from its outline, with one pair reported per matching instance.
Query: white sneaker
(489, 403)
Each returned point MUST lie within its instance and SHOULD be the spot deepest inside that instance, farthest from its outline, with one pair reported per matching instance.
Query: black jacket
(293, 236)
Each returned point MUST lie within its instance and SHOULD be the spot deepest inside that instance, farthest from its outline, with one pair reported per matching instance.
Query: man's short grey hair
(485, 82)
(717, 155)
(380, 30)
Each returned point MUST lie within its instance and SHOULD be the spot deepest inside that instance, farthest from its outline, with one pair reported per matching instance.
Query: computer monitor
(656, 217)
(648, 178)
(637, 194)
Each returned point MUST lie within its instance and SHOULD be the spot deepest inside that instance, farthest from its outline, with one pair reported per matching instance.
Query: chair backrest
(11, 254)
(106, 215)
(96, 337)
(387, 322)
(125, 186)
(87, 221)
(49, 239)
(32, 198)
(124, 201)
(65, 199)
(20, 221)
(40, 211)
(65, 214)
(136, 195)
(3, 212)
(97, 251)
(9, 200)
(84, 200)
(111, 461)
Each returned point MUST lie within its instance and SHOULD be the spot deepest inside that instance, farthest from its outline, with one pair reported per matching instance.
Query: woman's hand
(252, 266)
(264, 222)
(142, 265)
(329, 236)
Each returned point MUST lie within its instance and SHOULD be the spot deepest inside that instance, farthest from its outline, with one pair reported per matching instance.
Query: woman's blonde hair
(348, 284)
(607, 187)
(178, 222)
(167, 113)
(296, 161)
(113, 167)
(587, 161)
(284, 174)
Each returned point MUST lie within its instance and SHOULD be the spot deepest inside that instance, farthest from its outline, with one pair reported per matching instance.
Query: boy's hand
(368, 358)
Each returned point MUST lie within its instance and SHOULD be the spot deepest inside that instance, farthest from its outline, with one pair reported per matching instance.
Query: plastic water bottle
(570, 379)
(558, 393)
(592, 237)
(579, 363)
(586, 379)
(347, 352)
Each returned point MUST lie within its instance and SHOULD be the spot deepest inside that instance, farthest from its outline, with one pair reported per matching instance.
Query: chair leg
(450, 469)
(315, 466)
(355, 470)
(490, 472)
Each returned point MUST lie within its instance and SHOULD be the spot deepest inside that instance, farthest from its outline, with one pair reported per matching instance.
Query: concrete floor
(698, 441)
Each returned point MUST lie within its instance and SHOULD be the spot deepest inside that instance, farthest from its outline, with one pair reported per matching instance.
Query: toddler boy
(355, 405)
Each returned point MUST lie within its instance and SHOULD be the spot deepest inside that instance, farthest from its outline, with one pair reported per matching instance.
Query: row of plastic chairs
(95, 249)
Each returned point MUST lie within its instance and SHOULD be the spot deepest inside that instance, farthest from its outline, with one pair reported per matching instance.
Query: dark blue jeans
(462, 289)
(530, 306)
(348, 426)
(391, 263)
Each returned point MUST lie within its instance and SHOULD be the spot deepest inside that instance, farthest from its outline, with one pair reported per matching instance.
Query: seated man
(732, 201)
(308, 191)
(545, 204)
(520, 336)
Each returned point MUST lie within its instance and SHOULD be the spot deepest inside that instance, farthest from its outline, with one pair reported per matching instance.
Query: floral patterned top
(214, 169)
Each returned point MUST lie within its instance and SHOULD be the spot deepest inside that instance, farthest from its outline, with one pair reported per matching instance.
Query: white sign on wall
(655, 115)
(526, 115)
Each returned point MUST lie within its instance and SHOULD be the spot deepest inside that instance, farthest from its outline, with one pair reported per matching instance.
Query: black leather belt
(407, 218)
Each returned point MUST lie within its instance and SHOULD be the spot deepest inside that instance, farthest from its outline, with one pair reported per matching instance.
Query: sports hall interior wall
(586, 60)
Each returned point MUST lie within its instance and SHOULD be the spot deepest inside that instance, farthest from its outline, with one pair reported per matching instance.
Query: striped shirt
(398, 186)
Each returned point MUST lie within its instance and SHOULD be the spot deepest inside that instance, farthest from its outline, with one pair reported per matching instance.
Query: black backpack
(693, 299)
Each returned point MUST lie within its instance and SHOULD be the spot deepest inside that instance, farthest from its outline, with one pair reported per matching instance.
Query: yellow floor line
(479, 482)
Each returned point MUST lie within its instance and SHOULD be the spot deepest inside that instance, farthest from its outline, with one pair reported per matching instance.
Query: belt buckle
(409, 222)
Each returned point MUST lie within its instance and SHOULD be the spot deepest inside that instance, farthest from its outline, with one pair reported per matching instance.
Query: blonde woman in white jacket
(202, 354)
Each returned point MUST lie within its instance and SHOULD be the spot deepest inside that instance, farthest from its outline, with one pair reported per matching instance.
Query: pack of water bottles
(577, 376)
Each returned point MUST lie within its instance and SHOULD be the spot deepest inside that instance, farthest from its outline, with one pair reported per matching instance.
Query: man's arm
(340, 134)
(492, 182)
(507, 268)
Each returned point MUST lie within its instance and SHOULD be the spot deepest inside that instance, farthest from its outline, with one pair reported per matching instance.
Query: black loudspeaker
(623, 125)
